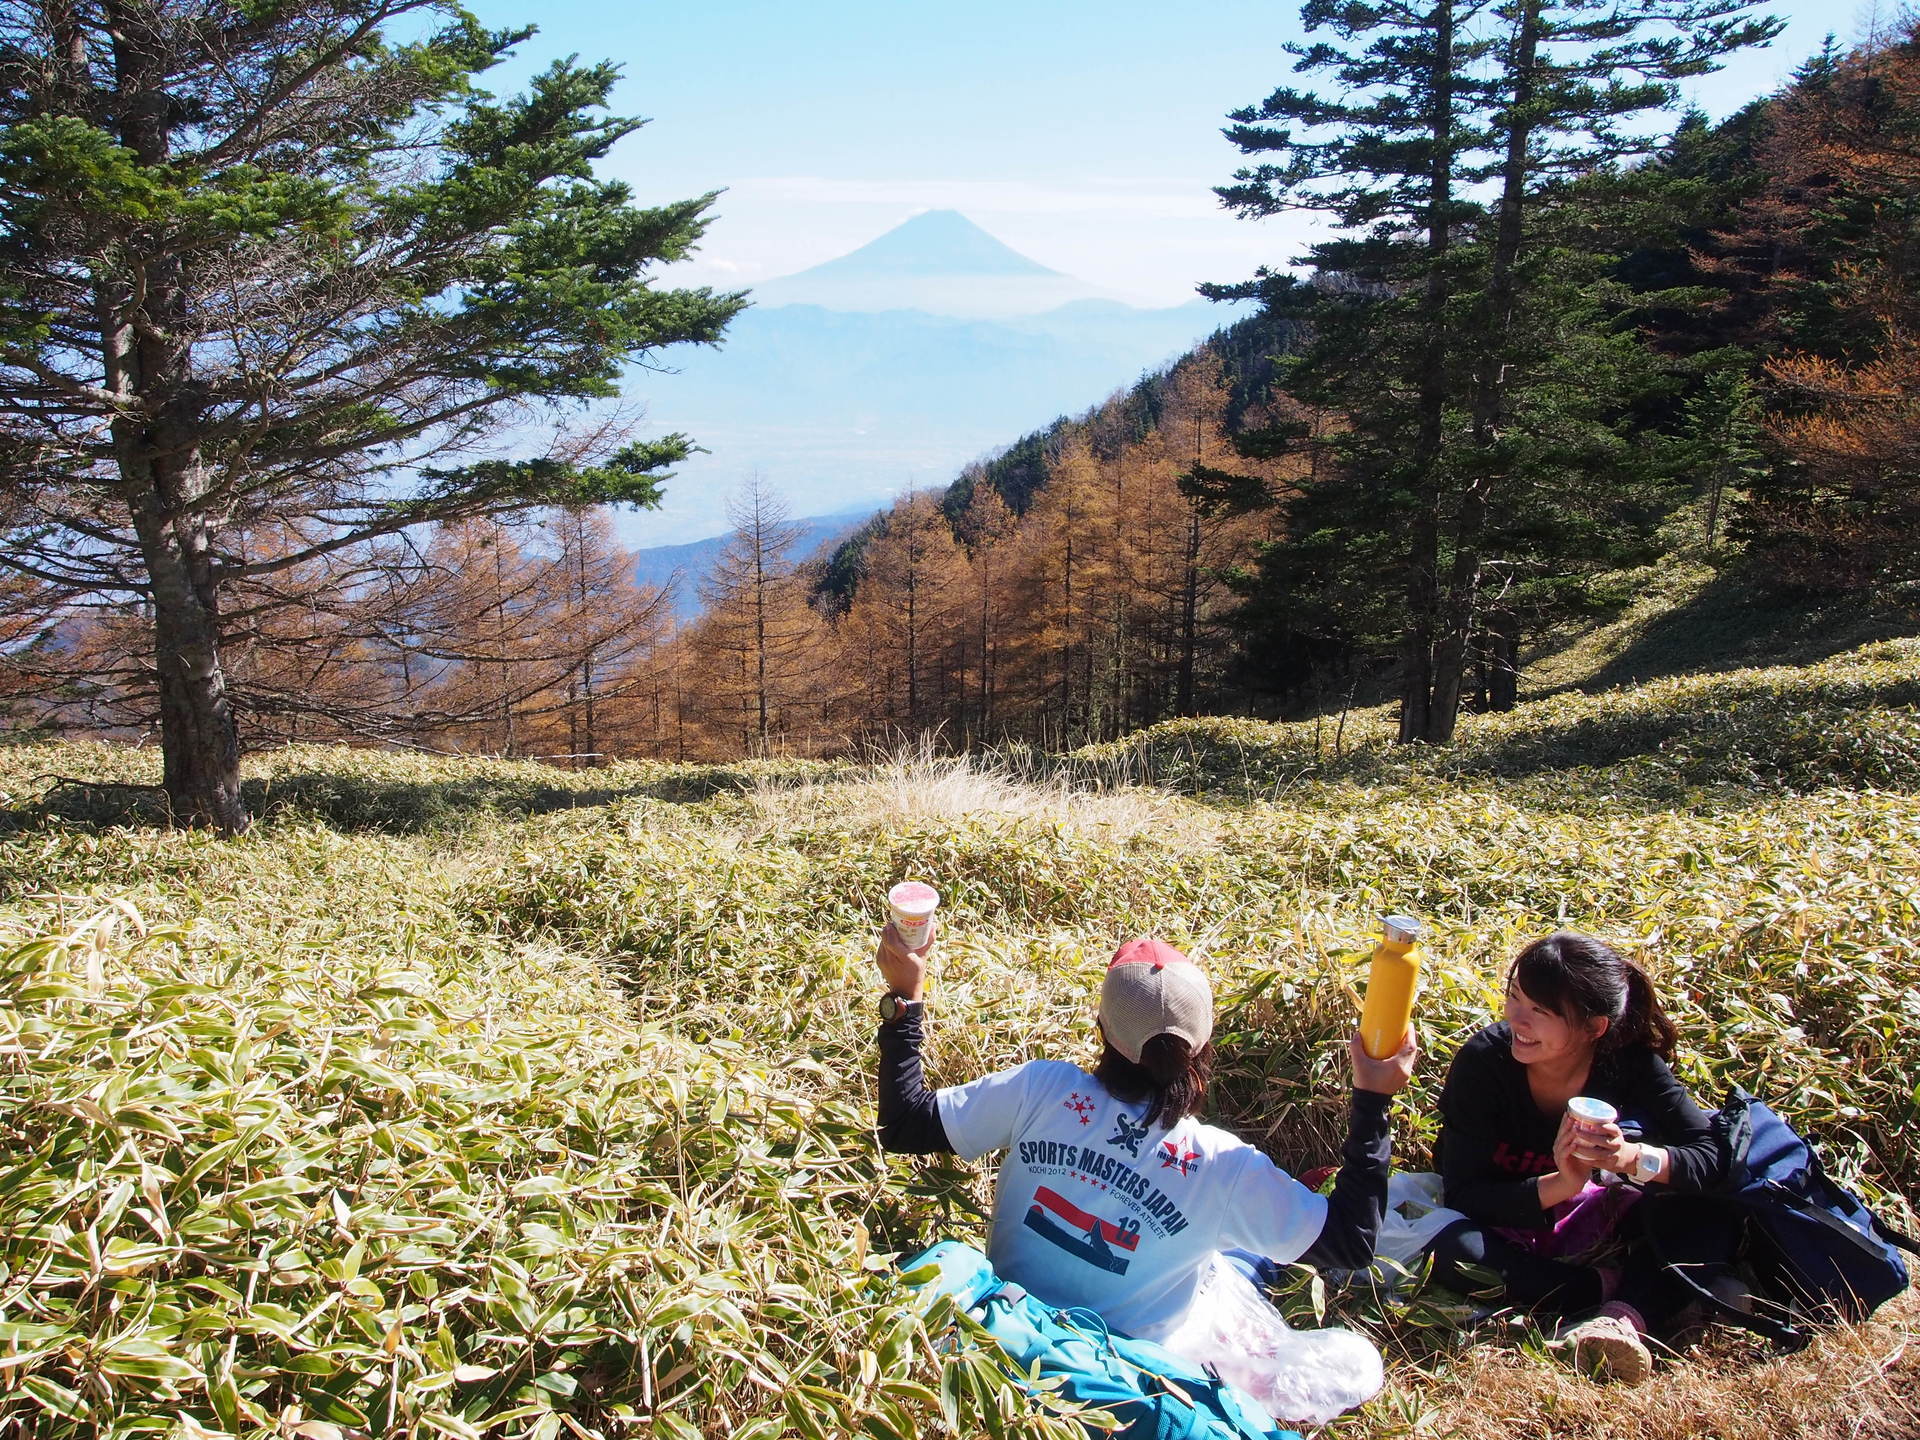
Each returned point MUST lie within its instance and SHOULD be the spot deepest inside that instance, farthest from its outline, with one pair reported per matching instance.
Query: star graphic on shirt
(1081, 1105)
(1174, 1155)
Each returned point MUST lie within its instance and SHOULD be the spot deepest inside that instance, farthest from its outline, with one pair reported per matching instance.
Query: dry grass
(1693, 611)
(1860, 1382)
(915, 785)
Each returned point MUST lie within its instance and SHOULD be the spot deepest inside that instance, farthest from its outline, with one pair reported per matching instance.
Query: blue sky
(1083, 134)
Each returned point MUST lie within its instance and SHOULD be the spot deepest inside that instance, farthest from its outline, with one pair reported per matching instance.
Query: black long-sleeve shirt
(909, 1114)
(1496, 1142)
(910, 1124)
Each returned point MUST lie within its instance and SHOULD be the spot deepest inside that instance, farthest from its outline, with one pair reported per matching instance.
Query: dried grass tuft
(914, 784)
(1858, 1382)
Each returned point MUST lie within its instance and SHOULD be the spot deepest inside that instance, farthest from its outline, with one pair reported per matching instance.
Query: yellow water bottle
(1391, 985)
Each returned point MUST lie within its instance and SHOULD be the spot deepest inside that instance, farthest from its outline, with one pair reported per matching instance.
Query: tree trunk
(1713, 500)
(591, 748)
(1066, 626)
(985, 707)
(762, 725)
(1489, 390)
(1416, 639)
(199, 744)
(1451, 646)
(1189, 617)
(1503, 661)
(149, 367)
(1423, 548)
(913, 621)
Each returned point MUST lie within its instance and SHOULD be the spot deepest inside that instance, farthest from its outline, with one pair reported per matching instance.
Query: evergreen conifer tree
(285, 264)
(1459, 333)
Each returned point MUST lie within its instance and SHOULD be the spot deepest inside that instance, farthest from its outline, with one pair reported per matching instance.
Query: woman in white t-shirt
(1112, 1195)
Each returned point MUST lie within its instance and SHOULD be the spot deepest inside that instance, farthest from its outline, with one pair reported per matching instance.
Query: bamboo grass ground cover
(519, 1118)
(1688, 740)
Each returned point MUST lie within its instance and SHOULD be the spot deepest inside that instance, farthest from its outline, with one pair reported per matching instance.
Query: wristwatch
(895, 1008)
(1648, 1164)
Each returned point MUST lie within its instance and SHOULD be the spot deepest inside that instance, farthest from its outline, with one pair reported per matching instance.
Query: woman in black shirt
(1580, 1020)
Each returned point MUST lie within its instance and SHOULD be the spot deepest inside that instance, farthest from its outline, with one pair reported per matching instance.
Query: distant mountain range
(891, 376)
(684, 567)
(848, 373)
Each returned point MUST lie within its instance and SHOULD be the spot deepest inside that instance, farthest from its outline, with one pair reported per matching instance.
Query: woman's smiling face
(1542, 1033)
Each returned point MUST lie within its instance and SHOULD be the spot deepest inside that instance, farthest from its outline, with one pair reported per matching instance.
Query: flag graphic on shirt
(1059, 1221)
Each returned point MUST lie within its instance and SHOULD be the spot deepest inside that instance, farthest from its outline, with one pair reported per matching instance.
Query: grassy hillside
(475, 1098)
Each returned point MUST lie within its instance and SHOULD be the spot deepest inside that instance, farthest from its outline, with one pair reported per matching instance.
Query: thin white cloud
(1156, 199)
(1145, 239)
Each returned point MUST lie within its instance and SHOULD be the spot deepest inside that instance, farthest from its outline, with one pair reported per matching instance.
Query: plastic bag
(1414, 1219)
(1304, 1376)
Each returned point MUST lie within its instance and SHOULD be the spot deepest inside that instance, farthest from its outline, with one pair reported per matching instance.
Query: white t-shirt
(1094, 1209)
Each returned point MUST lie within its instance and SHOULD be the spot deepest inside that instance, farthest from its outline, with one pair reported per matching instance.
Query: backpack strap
(1815, 1210)
(1898, 1239)
(1893, 1237)
(1810, 1209)
(1788, 1336)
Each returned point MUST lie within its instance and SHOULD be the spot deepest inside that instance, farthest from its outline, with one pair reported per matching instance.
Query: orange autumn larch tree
(759, 649)
(904, 636)
(1832, 241)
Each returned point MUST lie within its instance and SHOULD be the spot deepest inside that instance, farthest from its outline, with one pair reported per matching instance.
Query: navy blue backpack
(1815, 1252)
(1151, 1393)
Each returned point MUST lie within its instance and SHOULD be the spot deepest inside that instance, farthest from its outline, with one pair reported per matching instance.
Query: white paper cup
(912, 903)
(1590, 1114)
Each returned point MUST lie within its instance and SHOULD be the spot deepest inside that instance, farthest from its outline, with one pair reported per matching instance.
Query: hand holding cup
(910, 906)
(1598, 1140)
(904, 970)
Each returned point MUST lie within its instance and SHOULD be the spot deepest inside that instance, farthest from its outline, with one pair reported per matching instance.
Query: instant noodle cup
(1590, 1114)
(912, 904)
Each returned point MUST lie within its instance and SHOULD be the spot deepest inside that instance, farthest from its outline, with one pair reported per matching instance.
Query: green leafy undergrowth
(554, 1119)
(381, 791)
(248, 1193)
(1850, 721)
(1785, 935)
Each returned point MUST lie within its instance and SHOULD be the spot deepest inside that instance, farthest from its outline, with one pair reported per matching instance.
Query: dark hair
(1580, 978)
(1170, 1077)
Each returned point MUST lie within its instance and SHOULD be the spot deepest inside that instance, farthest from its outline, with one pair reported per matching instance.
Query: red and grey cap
(1152, 989)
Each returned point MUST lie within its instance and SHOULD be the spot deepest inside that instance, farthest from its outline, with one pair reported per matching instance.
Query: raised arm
(909, 1114)
(1358, 1202)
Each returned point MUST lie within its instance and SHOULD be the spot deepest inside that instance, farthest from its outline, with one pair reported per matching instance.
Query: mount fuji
(940, 262)
(889, 369)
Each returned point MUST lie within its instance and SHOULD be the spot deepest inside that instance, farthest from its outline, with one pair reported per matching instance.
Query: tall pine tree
(1457, 327)
(286, 264)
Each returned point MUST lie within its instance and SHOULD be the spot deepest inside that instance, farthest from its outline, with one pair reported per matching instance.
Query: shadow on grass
(1733, 734)
(360, 804)
(1711, 744)
(1729, 625)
